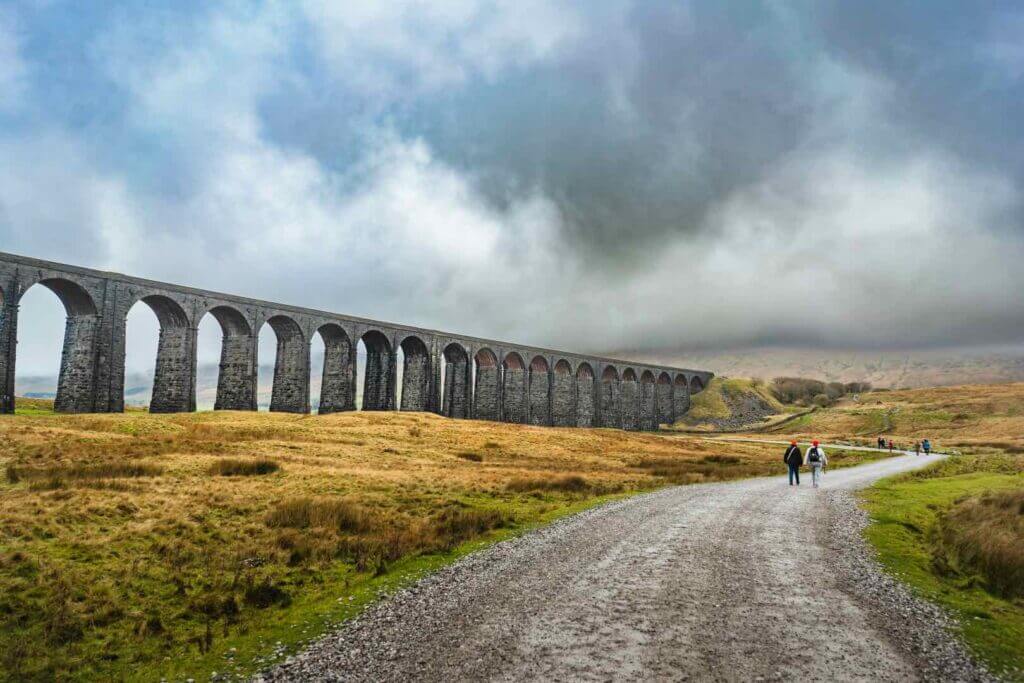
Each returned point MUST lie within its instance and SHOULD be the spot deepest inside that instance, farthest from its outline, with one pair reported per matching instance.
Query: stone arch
(379, 378)
(236, 374)
(487, 386)
(175, 374)
(540, 392)
(290, 392)
(415, 374)
(457, 381)
(629, 400)
(663, 399)
(585, 416)
(514, 405)
(76, 379)
(610, 406)
(648, 414)
(338, 386)
(680, 397)
(563, 395)
(696, 385)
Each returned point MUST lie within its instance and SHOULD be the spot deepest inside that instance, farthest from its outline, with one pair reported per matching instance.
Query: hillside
(891, 369)
(729, 404)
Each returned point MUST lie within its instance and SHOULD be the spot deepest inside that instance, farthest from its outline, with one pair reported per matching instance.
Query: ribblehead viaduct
(449, 374)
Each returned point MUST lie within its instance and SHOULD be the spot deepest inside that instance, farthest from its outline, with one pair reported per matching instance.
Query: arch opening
(539, 392)
(663, 399)
(585, 413)
(337, 372)
(59, 363)
(563, 395)
(514, 404)
(379, 376)
(629, 401)
(290, 390)
(610, 411)
(486, 386)
(416, 374)
(680, 397)
(648, 414)
(233, 353)
(456, 380)
(174, 373)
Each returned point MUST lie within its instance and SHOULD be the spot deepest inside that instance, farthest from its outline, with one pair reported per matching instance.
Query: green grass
(905, 510)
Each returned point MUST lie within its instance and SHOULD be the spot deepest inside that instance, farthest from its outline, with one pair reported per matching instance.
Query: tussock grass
(572, 482)
(233, 467)
(325, 513)
(110, 470)
(984, 535)
(472, 456)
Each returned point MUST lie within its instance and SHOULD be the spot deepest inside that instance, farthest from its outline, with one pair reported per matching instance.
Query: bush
(233, 467)
(822, 401)
(794, 389)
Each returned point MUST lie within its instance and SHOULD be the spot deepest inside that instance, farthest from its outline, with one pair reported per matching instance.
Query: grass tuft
(233, 467)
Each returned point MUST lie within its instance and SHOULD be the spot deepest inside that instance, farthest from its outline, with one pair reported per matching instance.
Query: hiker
(891, 445)
(917, 448)
(793, 458)
(927, 446)
(881, 442)
(817, 460)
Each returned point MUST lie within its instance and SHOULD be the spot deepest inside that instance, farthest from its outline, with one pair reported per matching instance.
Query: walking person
(881, 442)
(817, 459)
(917, 448)
(927, 446)
(891, 445)
(793, 459)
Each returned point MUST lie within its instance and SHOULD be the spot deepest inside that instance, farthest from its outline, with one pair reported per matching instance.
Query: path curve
(696, 582)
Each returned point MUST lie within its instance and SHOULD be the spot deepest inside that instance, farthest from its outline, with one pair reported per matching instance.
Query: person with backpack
(917, 448)
(927, 446)
(891, 445)
(817, 459)
(794, 459)
(881, 442)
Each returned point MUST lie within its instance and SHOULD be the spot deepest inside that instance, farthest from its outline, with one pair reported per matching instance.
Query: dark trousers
(794, 473)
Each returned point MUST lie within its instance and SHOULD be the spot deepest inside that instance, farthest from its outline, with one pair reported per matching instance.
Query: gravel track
(738, 581)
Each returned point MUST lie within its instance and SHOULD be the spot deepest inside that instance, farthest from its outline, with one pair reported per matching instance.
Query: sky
(593, 175)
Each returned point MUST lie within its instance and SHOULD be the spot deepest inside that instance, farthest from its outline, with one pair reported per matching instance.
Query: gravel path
(738, 581)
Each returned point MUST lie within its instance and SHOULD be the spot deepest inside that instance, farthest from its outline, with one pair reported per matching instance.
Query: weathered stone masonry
(453, 375)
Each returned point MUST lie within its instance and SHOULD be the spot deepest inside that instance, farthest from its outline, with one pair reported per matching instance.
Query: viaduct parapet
(481, 378)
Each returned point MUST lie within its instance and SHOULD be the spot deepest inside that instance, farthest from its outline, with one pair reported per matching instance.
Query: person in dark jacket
(794, 459)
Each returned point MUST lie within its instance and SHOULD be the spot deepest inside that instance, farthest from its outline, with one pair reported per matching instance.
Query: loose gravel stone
(750, 580)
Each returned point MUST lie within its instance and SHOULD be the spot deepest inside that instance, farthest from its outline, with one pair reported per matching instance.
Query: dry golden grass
(972, 418)
(123, 549)
(984, 535)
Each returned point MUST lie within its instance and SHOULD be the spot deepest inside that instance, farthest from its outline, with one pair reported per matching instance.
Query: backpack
(813, 455)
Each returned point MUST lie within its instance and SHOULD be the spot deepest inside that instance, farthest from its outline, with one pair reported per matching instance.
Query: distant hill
(892, 369)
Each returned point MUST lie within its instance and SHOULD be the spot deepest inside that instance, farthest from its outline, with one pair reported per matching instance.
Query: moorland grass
(126, 555)
(954, 533)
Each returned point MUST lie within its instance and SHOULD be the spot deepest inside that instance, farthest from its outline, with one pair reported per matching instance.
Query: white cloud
(396, 49)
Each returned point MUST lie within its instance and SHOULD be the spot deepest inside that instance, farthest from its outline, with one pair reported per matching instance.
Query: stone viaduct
(481, 378)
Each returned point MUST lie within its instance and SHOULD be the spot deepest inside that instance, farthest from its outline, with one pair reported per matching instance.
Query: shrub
(822, 401)
(233, 467)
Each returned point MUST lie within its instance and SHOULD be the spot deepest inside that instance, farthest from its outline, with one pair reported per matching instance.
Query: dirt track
(729, 581)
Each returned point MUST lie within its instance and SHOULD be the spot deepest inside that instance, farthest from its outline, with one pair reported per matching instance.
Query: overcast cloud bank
(583, 175)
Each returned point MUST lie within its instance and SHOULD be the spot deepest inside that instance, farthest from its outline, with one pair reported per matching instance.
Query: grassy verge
(917, 519)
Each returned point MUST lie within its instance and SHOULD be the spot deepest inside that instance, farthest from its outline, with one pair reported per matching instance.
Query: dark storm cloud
(615, 174)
